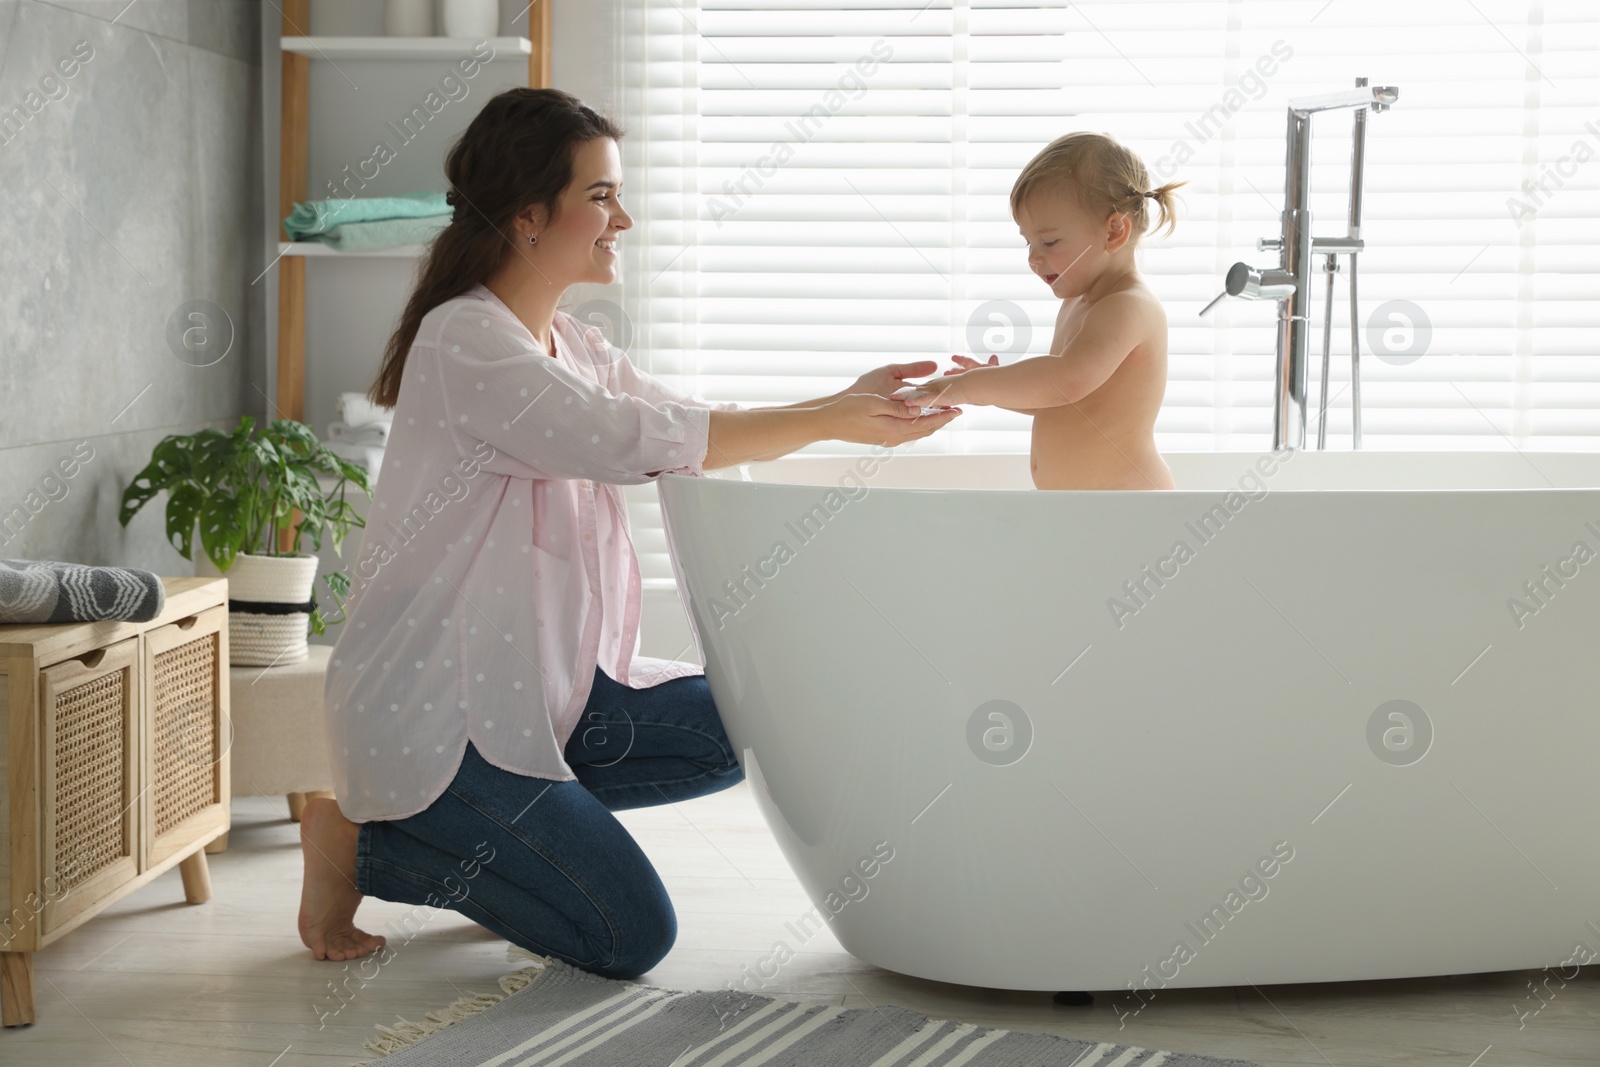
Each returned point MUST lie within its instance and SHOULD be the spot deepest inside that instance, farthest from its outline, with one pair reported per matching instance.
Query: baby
(1081, 205)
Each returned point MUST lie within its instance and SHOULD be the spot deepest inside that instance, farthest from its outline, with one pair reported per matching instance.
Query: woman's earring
(533, 238)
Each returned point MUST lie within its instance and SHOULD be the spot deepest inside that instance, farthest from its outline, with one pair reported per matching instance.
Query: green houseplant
(240, 491)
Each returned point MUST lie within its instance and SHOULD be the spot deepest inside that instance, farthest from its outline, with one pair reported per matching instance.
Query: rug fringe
(406, 1032)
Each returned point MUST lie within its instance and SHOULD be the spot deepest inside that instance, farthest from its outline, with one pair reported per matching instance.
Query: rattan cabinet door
(89, 810)
(187, 724)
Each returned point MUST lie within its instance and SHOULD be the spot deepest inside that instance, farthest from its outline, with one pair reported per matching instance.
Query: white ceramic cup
(408, 18)
(471, 18)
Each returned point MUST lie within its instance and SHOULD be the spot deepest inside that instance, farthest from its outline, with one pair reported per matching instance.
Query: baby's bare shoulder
(1136, 304)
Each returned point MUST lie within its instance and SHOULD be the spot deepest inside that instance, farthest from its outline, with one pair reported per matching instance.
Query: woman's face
(580, 245)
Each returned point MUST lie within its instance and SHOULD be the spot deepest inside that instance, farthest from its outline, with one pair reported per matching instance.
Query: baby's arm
(1111, 329)
(966, 363)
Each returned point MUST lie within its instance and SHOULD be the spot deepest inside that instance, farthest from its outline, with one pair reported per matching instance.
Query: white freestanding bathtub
(1348, 730)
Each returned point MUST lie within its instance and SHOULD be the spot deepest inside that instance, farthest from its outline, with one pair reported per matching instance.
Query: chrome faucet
(1290, 282)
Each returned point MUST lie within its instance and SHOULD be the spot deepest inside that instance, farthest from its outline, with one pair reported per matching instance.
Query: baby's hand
(936, 395)
(966, 363)
(917, 397)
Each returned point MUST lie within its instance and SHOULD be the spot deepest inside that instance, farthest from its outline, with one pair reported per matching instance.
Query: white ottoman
(279, 742)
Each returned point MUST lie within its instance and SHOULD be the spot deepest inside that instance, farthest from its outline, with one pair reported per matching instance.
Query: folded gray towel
(32, 591)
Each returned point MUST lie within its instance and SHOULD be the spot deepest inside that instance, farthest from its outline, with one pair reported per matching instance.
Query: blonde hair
(1104, 176)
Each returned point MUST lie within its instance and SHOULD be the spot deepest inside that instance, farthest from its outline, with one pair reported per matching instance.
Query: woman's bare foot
(328, 895)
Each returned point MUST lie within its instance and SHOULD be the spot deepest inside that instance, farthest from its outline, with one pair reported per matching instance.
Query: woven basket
(261, 638)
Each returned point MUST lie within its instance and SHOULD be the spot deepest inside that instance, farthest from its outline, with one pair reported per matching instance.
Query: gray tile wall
(130, 189)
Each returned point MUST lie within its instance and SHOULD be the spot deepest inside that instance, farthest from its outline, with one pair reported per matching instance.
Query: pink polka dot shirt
(496, 569)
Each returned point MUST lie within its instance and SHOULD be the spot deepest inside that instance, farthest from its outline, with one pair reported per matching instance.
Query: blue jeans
(545, 864)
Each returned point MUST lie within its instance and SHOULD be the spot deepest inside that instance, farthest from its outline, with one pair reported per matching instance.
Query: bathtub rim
(1201, 472)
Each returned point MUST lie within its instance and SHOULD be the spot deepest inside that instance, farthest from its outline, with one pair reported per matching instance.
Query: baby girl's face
(1065, 244)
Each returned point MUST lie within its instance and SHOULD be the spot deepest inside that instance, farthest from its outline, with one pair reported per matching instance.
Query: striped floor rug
(563, 1017)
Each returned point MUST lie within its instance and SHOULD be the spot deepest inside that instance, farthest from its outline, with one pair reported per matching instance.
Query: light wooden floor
(157, 983)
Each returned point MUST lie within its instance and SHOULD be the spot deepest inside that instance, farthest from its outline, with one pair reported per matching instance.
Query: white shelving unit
(344, 90)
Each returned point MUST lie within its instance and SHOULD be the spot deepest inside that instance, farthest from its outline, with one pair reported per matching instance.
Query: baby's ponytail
(1166, 199)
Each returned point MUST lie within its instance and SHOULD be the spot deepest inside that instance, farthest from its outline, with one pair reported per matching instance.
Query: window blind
(821, 188)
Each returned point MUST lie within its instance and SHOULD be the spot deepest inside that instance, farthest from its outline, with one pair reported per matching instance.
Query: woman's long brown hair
(517, 152)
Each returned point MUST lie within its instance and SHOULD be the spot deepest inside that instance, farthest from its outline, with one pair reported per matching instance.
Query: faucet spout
(1251, 284)
(1378, 97)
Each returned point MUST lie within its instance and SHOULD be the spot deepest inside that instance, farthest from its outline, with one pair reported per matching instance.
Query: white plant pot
(261, 634)
(471, 18)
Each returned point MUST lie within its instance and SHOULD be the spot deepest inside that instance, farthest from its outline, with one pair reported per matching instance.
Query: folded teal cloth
(319, 216)
(384, 233)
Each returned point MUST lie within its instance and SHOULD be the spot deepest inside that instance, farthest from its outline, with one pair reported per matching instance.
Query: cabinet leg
(196, 877)
(16, 988)
(320, 794)
(218, 843)
(297, 805)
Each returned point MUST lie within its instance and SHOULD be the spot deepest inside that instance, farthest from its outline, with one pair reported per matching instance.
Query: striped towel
(32, 591)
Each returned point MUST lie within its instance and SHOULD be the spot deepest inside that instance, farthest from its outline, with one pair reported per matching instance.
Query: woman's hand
(885, 380)
(869, 419)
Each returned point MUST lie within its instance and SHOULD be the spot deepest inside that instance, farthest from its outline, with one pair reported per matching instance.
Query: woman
(496, 600)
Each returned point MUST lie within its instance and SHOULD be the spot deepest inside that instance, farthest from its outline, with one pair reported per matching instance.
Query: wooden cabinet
(113, 767)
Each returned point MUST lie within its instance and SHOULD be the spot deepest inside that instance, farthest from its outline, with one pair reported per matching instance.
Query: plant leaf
(220, 532)
(183, 511)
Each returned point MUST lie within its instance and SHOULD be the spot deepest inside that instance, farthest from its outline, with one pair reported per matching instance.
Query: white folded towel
(376, 433)
(356, 410)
